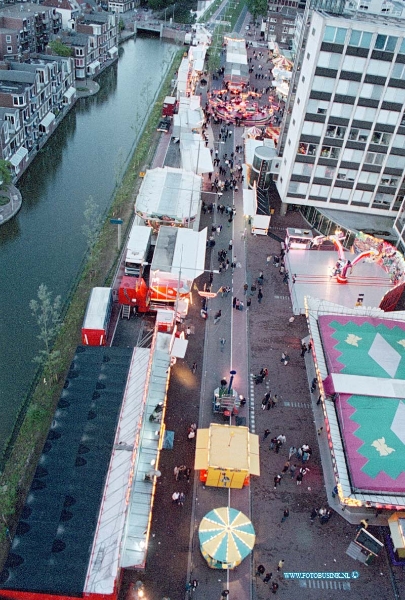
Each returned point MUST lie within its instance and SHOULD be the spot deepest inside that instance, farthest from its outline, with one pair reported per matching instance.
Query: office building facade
(344, 146)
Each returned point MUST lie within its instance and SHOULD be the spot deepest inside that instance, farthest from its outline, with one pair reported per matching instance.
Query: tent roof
(169, 194)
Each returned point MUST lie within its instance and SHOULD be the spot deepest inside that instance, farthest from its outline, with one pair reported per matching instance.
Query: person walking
(245, 288)
(176, 471)
(175, 497)
(293, 468)
(303, 349)
(268, 577)
(264, 403)
(266, 434)
(248, 302)
(260, 571)
(277, 481)
(194, 368)
(291, 452)
(286, 466)
(280, 565)
(230, 246)
(217, 317)
(274, 587)
(286, 514)
(181, 499)
(300, 477)
(314, 514)
(260, 296)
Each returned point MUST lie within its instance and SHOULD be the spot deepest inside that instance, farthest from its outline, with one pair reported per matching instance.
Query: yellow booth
(396, 524)
(226, 455)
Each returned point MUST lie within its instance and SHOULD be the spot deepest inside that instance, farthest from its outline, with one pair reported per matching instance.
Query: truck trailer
(137, 250)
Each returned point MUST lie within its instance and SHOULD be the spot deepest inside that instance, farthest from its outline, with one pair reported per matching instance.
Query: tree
(257, 8)
(5, 173)
(92, 222)
(59, 48)
(47, 315)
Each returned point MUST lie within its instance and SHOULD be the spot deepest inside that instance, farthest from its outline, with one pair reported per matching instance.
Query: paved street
(255, 338)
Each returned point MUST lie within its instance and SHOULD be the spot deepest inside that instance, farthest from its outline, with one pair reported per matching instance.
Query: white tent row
(236, 52)
(195, 156)
(182, 77)
(190, 116)
(281, 73)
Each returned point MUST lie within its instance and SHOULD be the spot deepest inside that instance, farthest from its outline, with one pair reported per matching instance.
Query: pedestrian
(187, 474)
(300, 477)
(176, 473)
(264, 403)
(260, 571)
(303, 349)
(280, 564)
(217, 317)
(320, 430)
(211, 277)
(314, 514)
(266, 434)
(277, 481)
(279, 443)
(309, 347)
(286, 466)
(188, 331)
(175, 497)
(245, 288)
(181, 499)
(260, 296)
(230, 245)
(313, 385)
(282, 438)
(286, 514)
(274, 587)
(248, 302)
(268, 577)
(234, 302)
(291, 452)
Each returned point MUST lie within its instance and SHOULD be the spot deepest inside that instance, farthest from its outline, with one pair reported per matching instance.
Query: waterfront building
(34, 24)
(69, 10)
(343, 143)
(122, 6)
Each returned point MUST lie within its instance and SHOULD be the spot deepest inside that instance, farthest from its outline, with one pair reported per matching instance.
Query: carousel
(226, 537)
(241, 109)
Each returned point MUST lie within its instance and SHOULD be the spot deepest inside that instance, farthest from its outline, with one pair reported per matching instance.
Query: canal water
(44, 243)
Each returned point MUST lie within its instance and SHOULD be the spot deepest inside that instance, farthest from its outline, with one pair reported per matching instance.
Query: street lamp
(173, 11)
(232, 374)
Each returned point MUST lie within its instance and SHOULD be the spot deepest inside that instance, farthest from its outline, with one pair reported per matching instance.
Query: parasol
(254, 132)
(226, 537)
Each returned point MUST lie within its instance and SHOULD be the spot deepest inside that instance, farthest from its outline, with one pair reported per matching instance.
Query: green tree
(257, 8)
(5, 173)
(121, 25)
(59, 48)
(92, 222)
(47, 316)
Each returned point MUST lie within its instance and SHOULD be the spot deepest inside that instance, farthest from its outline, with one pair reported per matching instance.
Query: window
(395, 95)
(402, 47)
(361, 196)
(360, 39)
(79, 52)
(341, 194)
(323, 84)
(327, 172)
(388, 117)
(335, 35)
(321, 191)
(370, 178)
(18, 100)
(364, 113)
(9, 49)
(357, 64)
(386, 42)
(386, 180)
(347, 174)
(8, 39)
(374, 158)
(381, 138)
(317, 107)
(359, 135)
(399, 141)
(395, 162)
(351, 155)
(341, 110)
(303, 169)
(330, 152)
(382, 200)
(371, 91)
(297, 188)
(335, 131)
(310, 128)
(307, 149)
(348, 88)
(398, 71)
(329, 60)
(380, 68)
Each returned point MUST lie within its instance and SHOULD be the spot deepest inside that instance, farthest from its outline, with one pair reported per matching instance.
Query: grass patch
(20, 456)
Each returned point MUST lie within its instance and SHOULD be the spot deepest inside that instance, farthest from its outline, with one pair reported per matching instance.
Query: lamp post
(118, 222)
(232, 374)
(173, 11)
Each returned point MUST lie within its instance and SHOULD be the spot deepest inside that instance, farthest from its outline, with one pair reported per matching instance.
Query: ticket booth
(226, 456)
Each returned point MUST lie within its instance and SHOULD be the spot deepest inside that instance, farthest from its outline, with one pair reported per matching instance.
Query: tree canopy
(257, 8)
(5, 173)
(59, 48)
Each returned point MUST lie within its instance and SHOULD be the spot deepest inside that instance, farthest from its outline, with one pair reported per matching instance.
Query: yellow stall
(397, 532)
(226, 455)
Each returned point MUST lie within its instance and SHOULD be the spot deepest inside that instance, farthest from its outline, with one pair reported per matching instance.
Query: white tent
(182, 77)
(194, 155)
(169, 194)
(189, 253)
(249, 202)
